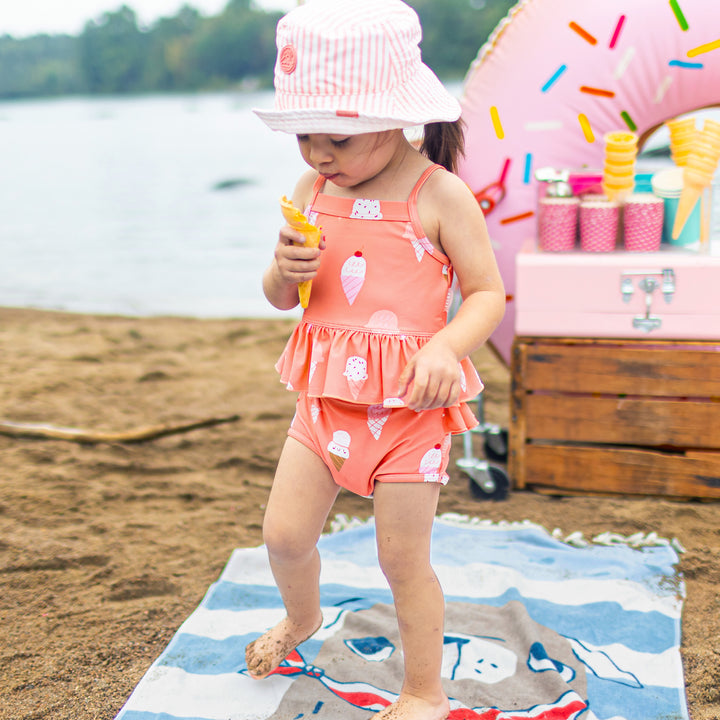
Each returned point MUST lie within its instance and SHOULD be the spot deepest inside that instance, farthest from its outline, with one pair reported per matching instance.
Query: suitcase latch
(652, 280)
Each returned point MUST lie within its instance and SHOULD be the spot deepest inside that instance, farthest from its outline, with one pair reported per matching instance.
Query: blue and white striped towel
(535, 628)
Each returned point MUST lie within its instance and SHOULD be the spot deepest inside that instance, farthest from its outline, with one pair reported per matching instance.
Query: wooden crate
(615, 416)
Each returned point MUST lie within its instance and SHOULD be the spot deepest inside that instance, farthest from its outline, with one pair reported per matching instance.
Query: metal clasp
(647, 322)
(626, 288)
(668, 284)
(650, 281)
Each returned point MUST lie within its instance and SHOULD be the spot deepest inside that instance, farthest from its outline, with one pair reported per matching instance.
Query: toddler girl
(382, 376)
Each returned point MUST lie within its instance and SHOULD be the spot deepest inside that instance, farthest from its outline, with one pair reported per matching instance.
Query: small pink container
(599, 219)
(643, 222)
(557, 223)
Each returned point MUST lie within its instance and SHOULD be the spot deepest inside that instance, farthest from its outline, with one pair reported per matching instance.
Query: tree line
(114, 54)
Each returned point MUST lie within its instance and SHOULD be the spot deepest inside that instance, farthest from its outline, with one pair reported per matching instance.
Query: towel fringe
(636, 541)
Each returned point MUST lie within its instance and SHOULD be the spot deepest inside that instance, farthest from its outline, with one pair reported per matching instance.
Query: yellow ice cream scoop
(296, 220)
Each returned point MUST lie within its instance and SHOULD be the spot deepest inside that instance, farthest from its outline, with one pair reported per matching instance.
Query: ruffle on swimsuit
(339, 363)
(381, 293)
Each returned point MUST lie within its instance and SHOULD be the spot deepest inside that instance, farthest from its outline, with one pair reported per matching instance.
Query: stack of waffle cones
(619, 169)
(698, 170)
(313, 235)
(682, 137)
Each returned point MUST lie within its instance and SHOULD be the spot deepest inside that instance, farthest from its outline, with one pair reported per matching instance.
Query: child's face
(349, 160)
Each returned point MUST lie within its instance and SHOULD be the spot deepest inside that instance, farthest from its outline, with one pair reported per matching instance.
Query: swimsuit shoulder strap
(316, 188)
(412, 200)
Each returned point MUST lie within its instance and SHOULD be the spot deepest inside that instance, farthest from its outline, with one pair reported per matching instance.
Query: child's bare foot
(263, 655)
(409, 707)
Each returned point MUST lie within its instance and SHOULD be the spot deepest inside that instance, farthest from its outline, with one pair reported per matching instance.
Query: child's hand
(295, 262)
(432, 378)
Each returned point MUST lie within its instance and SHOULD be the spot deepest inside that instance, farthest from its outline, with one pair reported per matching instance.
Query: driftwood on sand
(151, 432)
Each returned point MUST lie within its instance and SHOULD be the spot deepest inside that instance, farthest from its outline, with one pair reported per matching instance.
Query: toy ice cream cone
(339, 448)
(690, 195)
(711, 129)
(682, 137)
(296, 220)
(698, 175)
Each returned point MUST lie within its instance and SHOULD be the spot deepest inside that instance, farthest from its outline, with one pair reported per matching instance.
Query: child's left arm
(432, 377)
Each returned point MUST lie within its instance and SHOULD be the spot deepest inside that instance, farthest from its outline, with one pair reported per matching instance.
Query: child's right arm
(292, 262)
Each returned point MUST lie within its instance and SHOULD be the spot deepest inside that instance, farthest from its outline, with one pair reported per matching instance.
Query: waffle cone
(686, 204)
(337, 461)
(312, 235)
(304, 289)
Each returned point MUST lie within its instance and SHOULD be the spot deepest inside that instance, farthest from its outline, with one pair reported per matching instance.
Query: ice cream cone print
(393, 402)
(315, 410)
(312, 234)
(383, 320)
(377, 416)
(356, 374)
(366, 210)
(316, 357)
(420, 245)
(431, 462)
(446, 444)
(352, 276)
(339, 448)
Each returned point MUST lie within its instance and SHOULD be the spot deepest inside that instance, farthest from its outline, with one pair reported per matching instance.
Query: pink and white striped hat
(351, 67)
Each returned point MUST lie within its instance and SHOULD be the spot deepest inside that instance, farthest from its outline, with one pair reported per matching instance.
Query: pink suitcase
(670, 294)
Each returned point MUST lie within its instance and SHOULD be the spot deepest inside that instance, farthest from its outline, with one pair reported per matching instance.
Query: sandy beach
(106, 547)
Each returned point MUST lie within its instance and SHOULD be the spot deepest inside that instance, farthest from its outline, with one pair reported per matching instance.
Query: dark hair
(444, 143)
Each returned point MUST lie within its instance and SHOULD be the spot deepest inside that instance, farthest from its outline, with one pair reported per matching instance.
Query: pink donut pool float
(554, 77)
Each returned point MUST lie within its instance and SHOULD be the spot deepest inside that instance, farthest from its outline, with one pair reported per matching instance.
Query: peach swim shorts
(364, 444)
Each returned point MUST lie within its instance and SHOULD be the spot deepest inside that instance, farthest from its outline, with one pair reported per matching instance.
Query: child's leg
(404, 514)
(302, 495)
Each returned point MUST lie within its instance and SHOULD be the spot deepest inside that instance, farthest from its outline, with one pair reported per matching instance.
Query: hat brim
(421, 100)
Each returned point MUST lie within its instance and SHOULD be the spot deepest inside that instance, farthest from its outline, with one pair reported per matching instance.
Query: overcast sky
(21, 18)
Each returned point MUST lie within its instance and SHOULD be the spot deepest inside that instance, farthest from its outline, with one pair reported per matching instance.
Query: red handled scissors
(493, 193)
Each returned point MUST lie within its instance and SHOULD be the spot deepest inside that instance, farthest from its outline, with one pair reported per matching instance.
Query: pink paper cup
(643, 222)
(599, 225)
(557, 223)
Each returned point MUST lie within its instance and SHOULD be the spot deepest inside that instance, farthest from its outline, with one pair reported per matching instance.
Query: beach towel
(537, 626)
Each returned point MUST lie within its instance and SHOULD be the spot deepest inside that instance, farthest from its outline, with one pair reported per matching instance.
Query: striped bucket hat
(351, 67)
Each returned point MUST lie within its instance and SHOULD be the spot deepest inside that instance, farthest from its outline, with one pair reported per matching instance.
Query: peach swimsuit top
(382, 291)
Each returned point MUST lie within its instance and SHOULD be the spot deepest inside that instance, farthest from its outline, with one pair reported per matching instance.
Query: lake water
(110, 205)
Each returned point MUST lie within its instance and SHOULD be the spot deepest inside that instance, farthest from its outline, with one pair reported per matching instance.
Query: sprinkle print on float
(430, 464)
(356, 374)
(366, 210)
(339, 448)
(377, 416)
(420, 245)
(352, 276)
